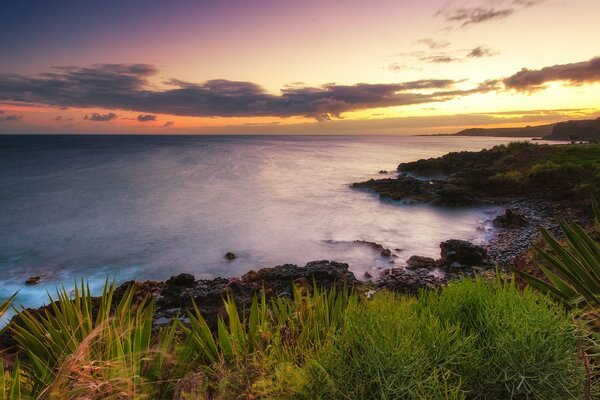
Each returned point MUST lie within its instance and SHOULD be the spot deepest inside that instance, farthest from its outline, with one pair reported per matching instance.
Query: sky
(295, 67)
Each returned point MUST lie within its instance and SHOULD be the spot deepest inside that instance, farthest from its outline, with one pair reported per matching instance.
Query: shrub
(549, 172)
(508, 178)
(470, 340)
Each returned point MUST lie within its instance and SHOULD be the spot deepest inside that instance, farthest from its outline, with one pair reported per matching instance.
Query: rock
(367, 275)
(417, 262)
(410, 189)
(510, 220)
(463, 252)
(33, 280)
(455, 265)
(383, 171)
(383, 251)
(230, 256)
(181, 280)
(450, 195)
(405, 281)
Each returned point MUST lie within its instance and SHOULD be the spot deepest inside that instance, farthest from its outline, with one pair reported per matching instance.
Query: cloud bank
(127, 87)
(574, 74)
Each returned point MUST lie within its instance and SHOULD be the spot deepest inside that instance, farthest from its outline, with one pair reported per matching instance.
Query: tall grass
(471, 340)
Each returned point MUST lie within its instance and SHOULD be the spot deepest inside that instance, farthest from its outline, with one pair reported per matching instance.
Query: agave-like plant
(575, 278)
(112, 355)
(10, 381)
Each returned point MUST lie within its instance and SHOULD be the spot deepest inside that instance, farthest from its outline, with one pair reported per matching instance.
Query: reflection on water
(150, 207)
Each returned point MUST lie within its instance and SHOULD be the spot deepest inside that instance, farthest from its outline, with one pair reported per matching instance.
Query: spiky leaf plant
(575, 277)
(106, 351)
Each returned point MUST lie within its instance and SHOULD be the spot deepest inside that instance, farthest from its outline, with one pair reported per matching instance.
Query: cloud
(168, 124)
(433, 44)
(440, 59)
(444, 57)
(10, 118)
(59, 118)
(488, 11)
(146, 117)
(101, 117)
(480, 52)
(126, 87)
(528, 80)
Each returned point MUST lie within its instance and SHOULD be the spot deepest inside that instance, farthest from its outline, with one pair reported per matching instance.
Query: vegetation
(574, 276)
(473, 339)
(521, 169)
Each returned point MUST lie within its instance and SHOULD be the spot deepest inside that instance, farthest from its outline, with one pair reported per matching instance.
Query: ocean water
(149, 207)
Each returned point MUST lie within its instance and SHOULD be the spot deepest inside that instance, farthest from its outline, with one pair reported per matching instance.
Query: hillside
(570, 130)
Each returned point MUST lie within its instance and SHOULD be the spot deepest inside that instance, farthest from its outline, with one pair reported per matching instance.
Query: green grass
(471, 340)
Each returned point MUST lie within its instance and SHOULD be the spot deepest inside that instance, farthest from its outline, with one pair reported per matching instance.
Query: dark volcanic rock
(181, 280)
(33, 280)
(277, 281)
(377, 246)
(451, 195)
(461, 252)
(323, 272)
(419, 262)
(230, 256)
(407, 282)
(411, 189)
(510, 220)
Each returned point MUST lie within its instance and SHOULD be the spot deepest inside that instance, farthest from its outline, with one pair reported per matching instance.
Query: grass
(471, 340)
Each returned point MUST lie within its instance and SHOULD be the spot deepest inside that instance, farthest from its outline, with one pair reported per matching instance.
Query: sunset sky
(295, 67)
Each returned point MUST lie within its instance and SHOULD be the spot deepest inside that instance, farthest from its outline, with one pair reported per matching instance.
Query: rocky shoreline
(526, 211)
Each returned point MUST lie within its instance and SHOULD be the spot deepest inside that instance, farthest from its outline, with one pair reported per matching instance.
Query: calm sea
(148, 207)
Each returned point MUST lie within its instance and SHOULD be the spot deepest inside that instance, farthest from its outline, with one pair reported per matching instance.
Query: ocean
(149, 207)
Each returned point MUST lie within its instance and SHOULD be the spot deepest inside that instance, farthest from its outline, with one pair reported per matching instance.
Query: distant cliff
(527, 131)
(571, 130)
(576, 130)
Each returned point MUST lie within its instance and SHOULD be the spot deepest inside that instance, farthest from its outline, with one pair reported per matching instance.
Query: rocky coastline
(462, 179)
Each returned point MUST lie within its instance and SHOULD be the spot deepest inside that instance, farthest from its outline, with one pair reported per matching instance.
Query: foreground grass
(471, 340)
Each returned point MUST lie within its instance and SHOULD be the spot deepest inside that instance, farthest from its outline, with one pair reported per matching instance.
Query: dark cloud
(146, 117)
(126, 87)
(10, 118)
(434, 44)
(101, 117)
(480, 52)
(168, 124)
(573, 74)
(488, 11)
(59, 118)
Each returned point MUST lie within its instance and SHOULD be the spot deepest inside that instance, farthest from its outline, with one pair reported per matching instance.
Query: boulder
(230, 256)
(419, 262)
(181, 280)
(461, 252)
(33, 280)
(376, 246)
(510, 220)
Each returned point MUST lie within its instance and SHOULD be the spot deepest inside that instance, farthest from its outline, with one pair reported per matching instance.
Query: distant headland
(588, 129)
